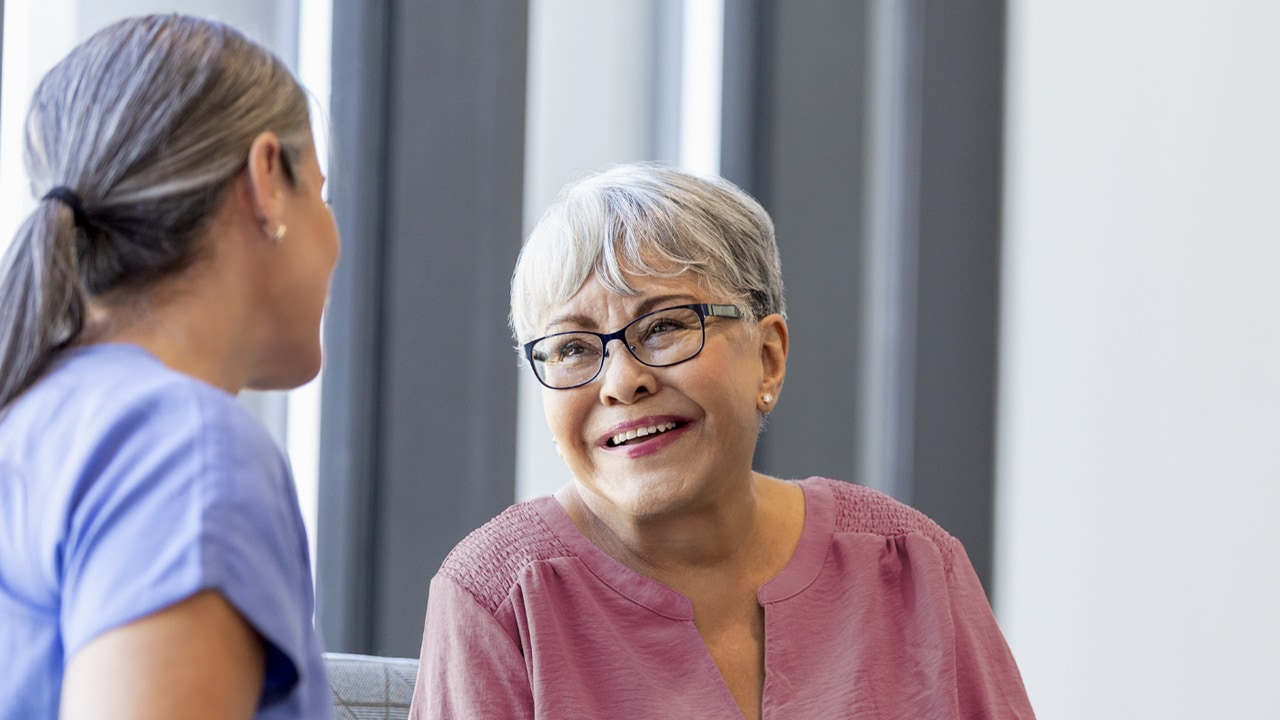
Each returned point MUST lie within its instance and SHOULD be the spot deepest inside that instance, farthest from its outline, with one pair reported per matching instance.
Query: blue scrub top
(126, 487)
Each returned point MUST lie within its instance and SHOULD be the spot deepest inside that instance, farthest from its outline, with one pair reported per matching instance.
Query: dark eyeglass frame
(703, 311)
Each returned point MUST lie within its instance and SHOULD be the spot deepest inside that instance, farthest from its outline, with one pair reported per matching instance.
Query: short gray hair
(147, 122)
(647, 219)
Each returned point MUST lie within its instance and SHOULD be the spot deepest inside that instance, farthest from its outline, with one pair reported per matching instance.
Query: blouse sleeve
(989, 685)
(470, 666)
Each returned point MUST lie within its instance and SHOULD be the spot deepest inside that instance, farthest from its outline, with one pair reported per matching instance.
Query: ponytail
(42, 297)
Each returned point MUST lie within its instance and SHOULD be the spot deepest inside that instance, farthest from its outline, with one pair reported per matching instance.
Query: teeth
(634, 433)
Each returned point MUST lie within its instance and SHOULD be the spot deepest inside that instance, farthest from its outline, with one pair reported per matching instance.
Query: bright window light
(701, 86)
(302, 441)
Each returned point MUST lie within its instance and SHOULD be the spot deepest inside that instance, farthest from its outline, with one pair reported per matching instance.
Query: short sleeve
(470, 667)
(185, 492)
(989, 684)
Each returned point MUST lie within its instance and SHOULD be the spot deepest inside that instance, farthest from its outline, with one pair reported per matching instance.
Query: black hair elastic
(68, 197)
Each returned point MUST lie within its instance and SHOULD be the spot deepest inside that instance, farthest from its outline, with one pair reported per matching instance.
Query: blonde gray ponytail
(41, 295)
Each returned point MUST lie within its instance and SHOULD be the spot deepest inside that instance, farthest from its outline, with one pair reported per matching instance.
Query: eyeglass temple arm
(730, 311)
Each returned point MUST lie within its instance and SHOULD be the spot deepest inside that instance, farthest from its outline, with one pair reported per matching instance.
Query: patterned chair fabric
(366, 687)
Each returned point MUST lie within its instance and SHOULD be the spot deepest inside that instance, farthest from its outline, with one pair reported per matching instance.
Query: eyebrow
(582, 322)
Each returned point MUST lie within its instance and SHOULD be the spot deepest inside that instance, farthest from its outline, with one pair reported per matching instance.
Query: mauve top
(877, 615)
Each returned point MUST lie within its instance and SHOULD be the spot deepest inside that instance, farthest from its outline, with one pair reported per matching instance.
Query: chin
(301, 369)
(642, 498)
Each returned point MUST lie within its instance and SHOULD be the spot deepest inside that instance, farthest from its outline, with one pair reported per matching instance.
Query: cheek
(735, 393)
(565, 417)
(322, 254)
(561, 415)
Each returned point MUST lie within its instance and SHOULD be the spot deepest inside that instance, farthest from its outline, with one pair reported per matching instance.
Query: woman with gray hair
(153, 561)
(668, 579)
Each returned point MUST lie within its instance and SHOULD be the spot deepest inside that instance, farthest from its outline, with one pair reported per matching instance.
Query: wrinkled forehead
(626, 292)
(566, 252)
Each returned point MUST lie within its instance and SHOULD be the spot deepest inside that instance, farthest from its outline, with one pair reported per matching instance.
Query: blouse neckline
(799, 572)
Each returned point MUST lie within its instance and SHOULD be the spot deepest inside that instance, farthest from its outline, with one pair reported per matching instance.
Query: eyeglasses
(661, 338)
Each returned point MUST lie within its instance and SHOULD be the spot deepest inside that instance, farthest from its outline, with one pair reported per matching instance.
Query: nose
(624, 379)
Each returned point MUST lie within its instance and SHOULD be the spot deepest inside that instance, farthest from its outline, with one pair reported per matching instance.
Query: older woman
(669, 579)
(153, 562)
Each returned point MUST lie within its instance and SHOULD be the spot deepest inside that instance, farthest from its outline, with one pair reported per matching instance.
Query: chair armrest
(370, 686)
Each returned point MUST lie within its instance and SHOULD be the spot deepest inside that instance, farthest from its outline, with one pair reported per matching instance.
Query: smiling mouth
(634, 434)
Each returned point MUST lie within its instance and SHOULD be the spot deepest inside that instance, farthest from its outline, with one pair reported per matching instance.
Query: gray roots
(148, 122)
(647, 220)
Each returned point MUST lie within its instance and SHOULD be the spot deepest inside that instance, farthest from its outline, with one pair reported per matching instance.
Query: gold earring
(276, 235)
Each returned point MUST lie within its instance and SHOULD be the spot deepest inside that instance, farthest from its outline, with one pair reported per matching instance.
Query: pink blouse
(878, 615)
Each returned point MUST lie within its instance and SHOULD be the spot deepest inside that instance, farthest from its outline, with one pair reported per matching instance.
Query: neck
(718, 534)
(189, 322)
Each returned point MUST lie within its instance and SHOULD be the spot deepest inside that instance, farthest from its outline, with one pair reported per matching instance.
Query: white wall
(1139, 451)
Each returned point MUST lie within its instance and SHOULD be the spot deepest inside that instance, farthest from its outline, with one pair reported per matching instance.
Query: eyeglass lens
(662, 338)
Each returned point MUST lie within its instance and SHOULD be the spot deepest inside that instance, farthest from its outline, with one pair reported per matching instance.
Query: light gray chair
(368, 687)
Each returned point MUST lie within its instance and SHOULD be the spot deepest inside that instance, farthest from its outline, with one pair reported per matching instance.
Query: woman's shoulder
(110, 421)
(108, 376)
(114, 388)
(490, 560)
(864, 510)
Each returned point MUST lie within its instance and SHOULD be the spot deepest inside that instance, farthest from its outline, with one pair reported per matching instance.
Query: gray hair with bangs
(647, 219)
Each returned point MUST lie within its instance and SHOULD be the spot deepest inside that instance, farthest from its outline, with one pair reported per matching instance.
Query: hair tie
(68, 197)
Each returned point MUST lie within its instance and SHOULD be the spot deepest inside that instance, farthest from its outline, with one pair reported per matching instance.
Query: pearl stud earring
(276, 235)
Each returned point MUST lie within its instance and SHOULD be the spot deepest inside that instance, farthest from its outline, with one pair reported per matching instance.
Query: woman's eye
(574, 349)
(663, 325)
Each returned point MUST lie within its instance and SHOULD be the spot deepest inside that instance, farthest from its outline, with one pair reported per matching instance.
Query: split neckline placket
(799, 573)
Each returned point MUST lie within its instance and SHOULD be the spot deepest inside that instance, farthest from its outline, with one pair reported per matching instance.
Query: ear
(773, 358)
(268, 179)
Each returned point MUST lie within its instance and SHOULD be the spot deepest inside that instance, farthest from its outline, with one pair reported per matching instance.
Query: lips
(635, 435)
(638, 433)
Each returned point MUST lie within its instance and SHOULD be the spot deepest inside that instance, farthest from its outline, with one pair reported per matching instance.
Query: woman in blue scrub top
(153, 562)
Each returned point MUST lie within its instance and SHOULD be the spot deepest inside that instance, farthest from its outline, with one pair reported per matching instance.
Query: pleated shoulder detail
(489, 561)
(860, 509)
